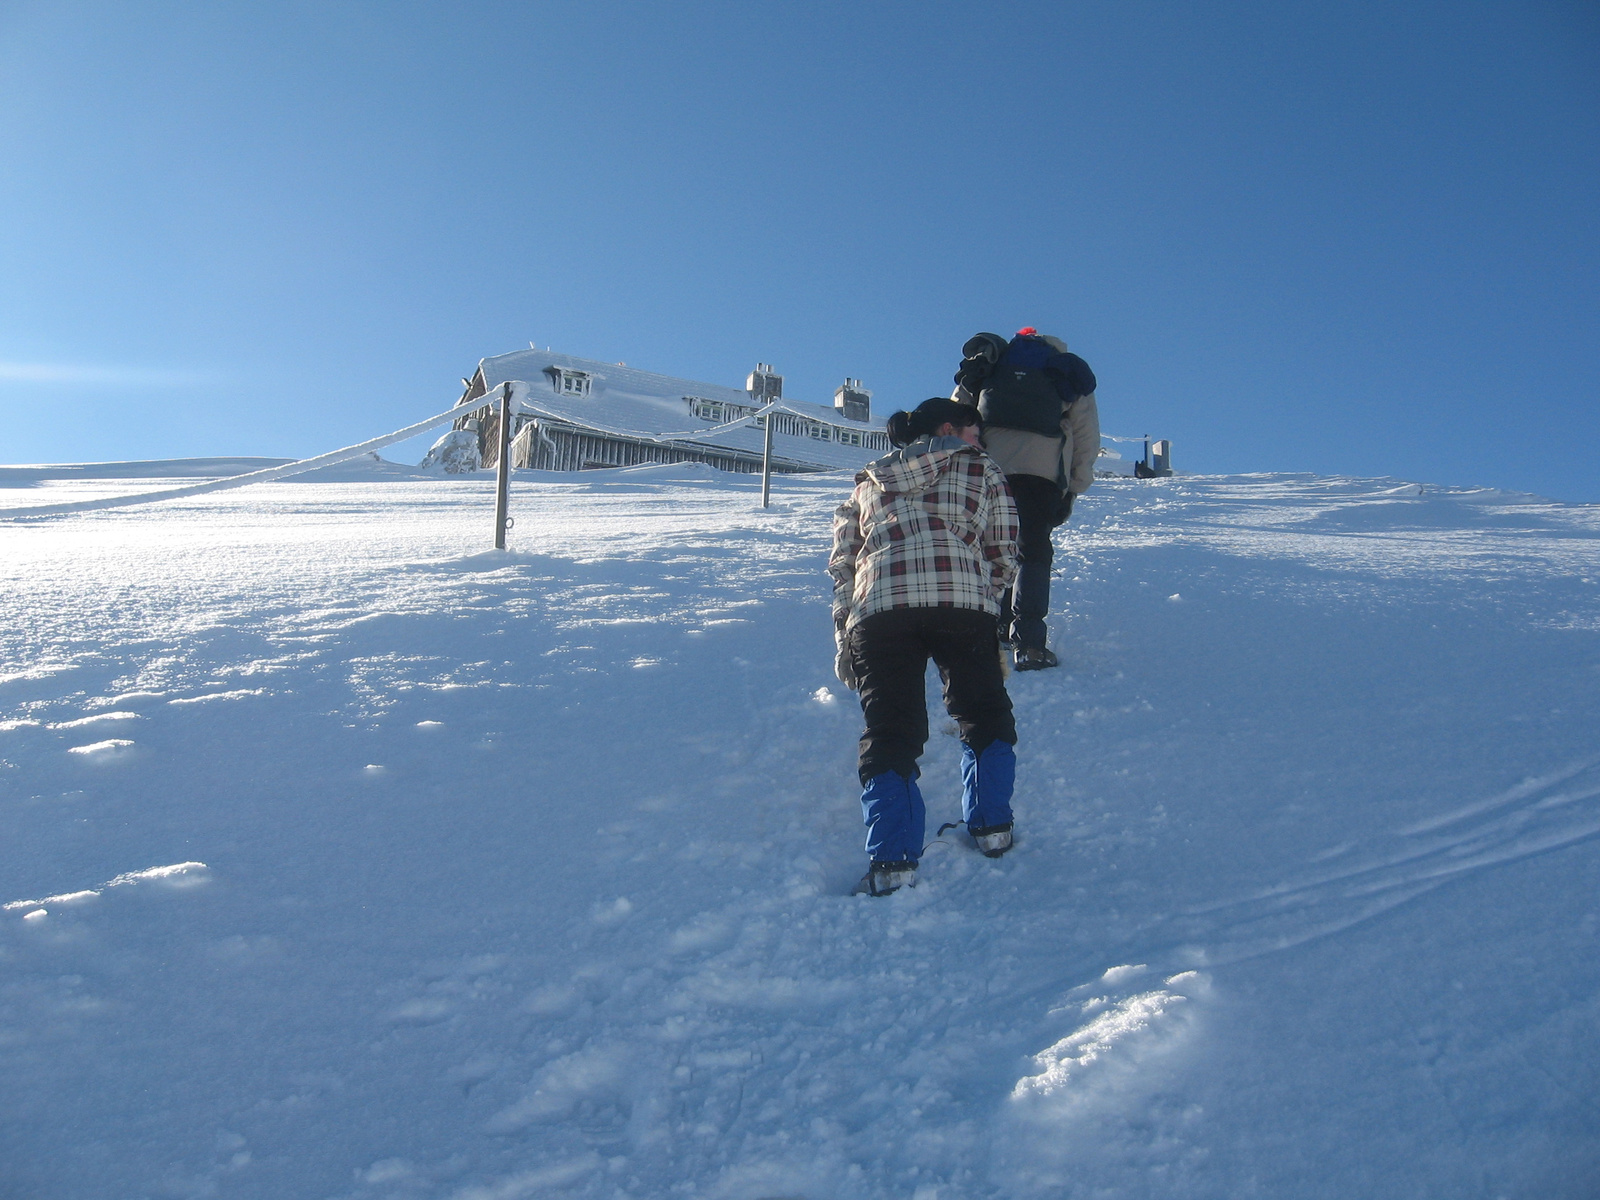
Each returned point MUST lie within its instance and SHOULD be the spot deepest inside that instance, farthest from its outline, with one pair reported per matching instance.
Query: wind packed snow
(347, 857)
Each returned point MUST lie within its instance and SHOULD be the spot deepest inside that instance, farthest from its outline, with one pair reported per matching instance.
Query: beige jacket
(1068, 461)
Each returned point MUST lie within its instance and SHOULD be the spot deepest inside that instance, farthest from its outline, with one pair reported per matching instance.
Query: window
(716, 412)
(804, 427)
(570, 383)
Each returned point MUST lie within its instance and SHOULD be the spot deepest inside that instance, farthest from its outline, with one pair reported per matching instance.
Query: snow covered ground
(346, 857)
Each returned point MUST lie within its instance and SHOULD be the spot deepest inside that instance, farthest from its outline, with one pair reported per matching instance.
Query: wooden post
(766, 462)
(503, 475)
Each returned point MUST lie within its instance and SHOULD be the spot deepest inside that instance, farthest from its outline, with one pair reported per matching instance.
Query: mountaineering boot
(885, 877)
(1036, 658)
(993, 840)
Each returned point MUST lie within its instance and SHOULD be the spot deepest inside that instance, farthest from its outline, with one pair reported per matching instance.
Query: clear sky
(1290, 236)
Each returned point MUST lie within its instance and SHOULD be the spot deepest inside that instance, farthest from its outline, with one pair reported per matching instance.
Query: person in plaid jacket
(923, 550)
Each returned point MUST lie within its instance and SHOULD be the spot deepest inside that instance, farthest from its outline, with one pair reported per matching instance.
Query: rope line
(266, 474)
(691, 435)
(527, 405)
(454, 413)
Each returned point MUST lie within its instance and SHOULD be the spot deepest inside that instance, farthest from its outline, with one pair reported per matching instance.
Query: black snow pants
(1026, 604)
(890, 653)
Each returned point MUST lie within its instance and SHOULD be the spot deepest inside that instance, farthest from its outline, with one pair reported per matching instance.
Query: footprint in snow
(589, 1088)
(446, 987)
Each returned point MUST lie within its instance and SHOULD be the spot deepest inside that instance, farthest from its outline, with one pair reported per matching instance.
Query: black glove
(1062, 510)
(972, 375)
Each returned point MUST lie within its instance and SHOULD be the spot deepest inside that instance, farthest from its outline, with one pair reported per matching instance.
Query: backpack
(1024, 383)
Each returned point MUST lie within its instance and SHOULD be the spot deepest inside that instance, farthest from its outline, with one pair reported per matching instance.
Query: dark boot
(1036, 658)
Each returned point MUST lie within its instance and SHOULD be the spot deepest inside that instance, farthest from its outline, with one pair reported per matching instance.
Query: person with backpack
(1042, 427)
(922, 552)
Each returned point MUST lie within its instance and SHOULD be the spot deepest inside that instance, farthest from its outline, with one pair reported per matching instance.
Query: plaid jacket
(931, 525)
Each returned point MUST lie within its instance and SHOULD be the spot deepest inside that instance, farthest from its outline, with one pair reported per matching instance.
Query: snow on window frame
(568, 382)
(717, 412)
(720, 412)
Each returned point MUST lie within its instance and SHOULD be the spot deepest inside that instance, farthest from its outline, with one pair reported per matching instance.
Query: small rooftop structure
(763, 385)
(852, 401)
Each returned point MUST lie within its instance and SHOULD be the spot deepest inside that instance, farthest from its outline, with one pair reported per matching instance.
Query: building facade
(578, 414)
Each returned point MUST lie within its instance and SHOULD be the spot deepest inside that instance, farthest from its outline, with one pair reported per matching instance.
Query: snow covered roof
(628, 402)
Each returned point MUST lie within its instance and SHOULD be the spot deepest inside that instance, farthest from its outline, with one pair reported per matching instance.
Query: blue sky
(1292, 236)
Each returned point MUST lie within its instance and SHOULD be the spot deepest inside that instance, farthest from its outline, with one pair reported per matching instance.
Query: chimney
(764, 387)
(853, 401)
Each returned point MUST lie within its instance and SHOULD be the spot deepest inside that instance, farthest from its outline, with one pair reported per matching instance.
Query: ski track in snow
(528, 870)
(1532, 818)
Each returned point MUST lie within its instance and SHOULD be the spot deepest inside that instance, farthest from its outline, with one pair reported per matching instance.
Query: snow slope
(345, 857)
